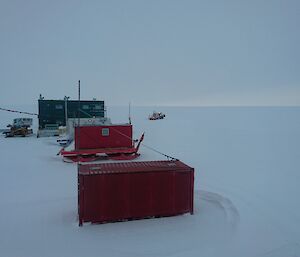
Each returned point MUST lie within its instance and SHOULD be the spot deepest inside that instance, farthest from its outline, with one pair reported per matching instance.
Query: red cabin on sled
(110, 136)
(103, 142)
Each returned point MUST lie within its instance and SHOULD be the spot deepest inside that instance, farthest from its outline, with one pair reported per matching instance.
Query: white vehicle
(22, 122)
(157, 116)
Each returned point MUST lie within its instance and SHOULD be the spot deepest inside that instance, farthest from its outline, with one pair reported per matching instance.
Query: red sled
(93, 143)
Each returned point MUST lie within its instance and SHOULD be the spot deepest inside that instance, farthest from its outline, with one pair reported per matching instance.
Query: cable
(167, 156)
(8, 110)
(149, 147)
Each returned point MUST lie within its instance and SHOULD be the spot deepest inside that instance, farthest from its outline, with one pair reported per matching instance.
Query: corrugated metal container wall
(134, 190)
(93, 137)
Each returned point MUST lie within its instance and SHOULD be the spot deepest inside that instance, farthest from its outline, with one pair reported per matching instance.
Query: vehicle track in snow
(231, 213)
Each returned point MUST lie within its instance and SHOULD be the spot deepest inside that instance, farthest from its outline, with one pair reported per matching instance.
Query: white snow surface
(247, 188)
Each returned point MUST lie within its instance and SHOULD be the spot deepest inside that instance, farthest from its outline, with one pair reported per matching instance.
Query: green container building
(53, 112)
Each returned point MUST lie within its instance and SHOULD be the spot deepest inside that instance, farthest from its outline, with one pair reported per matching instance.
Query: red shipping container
(111, 136)
(134, 190)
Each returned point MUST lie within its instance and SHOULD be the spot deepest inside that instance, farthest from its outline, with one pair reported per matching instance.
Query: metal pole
(78, 116)
(66, 110)
(129, 113)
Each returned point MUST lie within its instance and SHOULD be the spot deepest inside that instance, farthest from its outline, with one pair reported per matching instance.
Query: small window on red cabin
(105, 132)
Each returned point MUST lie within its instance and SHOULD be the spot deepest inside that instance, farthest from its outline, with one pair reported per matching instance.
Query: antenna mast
(78, 116)
(129, 115)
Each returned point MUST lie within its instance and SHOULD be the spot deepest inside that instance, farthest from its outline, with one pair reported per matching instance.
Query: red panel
(97, 204)
(140, 195)
(119, 195)
(182, 188)
(91, 137)
(163, 195)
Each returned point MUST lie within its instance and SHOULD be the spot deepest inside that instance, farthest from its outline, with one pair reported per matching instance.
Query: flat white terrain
(247, 189)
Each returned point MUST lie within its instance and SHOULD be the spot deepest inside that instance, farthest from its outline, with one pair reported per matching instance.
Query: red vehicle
(103, 142)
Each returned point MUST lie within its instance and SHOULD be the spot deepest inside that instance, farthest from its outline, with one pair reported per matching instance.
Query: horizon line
(174, 105)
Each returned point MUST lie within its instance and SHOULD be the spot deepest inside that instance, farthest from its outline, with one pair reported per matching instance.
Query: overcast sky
(154, 52)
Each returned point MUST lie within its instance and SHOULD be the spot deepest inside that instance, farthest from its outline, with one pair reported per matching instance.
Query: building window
(85, 107)
(59, 106)
(105, 132)
(97, 107)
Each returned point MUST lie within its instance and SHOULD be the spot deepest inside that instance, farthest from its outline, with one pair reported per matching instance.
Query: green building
(53, 112)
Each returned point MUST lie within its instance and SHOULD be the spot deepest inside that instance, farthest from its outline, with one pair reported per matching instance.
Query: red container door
(104, 199)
